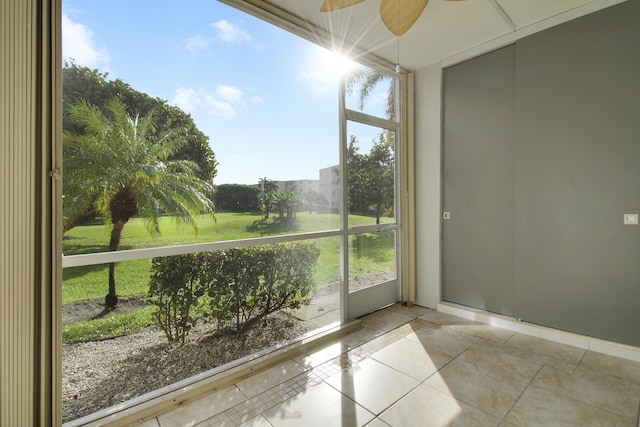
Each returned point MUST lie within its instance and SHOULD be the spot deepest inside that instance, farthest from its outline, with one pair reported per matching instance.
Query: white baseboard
(556, 335)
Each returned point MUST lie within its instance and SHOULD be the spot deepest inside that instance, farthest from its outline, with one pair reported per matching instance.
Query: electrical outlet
(446, 215)
(631, 219)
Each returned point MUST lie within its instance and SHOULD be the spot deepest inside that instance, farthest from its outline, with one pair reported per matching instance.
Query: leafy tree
(370, 178)
(236, 197)
(382, 170)
(314, 201)
(82, 83)
(122, 167)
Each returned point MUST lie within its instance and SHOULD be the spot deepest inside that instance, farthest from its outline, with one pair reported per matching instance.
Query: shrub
(240, 286)
(248, 284)
(174, 290)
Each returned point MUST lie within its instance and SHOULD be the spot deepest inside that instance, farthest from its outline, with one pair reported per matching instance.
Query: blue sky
(266, 99)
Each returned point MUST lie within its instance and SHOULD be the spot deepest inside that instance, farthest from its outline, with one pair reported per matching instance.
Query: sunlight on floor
(415, 366)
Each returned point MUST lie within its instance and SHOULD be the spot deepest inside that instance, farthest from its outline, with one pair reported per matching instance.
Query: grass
(226, 226)
(90, 282)
(108, 327)
(370, 253)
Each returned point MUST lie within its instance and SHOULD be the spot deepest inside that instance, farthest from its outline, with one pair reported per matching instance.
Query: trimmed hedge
(235, 288)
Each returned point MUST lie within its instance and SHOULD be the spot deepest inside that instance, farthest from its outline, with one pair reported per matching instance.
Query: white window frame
(403, 183)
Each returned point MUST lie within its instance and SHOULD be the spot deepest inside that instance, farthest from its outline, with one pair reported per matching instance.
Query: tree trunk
(111, 300)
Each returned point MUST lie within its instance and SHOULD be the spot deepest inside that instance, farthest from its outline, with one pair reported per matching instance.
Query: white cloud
(186, 99)
(229, 93)
(225, 101)
(78, 44)
(257, 100)
(197, 43)
(225, 31)
(231, 33)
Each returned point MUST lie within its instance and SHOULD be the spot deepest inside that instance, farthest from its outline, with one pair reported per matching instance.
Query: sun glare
(335, 64)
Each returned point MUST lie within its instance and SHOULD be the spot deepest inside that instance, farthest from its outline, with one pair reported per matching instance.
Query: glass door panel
(370, 174)
(370, 139)
(372, 259)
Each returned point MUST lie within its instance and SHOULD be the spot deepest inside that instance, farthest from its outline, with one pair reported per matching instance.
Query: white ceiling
(445, 28)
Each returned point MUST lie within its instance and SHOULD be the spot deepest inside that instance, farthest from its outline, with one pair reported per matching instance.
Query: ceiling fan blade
(329, 5)
(400, 15)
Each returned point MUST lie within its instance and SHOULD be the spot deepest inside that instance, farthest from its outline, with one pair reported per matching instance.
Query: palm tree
(364, 80)
(118, 166)
(287, 204)
(267, 188)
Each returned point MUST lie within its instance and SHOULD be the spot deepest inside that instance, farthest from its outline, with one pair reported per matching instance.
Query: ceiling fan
(398, 15)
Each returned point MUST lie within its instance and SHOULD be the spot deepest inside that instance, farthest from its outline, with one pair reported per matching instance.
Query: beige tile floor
(418, 367)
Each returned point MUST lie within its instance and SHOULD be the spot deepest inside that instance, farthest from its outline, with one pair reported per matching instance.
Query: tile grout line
(396, 331)
(312, 376)
(582, 358)
(529, 384)
(274, 402)
(582, 403)
(320, 377)
(451, 394)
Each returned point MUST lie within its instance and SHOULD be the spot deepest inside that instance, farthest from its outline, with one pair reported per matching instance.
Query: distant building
(299, 186)
(329, 187)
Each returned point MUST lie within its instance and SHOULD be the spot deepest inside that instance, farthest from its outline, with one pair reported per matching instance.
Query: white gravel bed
(100, 374)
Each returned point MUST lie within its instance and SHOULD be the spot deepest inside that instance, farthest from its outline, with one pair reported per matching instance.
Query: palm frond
(88, 116)
(118, 151)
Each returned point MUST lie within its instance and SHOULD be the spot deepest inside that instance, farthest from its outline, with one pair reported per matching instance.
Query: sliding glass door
(370, 136)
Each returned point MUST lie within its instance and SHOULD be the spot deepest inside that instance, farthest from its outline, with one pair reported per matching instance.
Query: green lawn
(226, 226)
(371, 253)
(107, 327)
(80, 283)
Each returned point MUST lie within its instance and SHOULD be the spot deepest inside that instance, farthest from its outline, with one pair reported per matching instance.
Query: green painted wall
(570, 170)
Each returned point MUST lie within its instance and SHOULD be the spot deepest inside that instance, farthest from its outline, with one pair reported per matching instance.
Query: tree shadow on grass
(76, 272)
(103, 313)
(78, 246)
(92, 309)
(276, 226)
